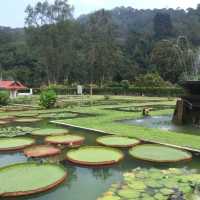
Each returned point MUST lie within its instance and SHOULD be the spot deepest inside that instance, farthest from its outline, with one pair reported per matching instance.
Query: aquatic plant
(95, 156)
(117, 141)
(15, 131)
(154, 184)
(31, 178)
(159, 153)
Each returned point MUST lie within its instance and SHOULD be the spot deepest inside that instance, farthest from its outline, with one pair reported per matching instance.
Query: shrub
(4, 98)
(48, 99)
(125, 84)
(151, 80)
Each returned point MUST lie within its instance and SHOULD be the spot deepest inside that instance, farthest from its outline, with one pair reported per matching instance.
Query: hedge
(147, 91)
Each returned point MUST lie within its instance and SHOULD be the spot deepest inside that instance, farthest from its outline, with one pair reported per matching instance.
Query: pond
(164, 123)
(86, 183)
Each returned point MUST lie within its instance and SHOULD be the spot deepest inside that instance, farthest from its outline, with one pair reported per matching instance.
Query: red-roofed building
(12, 86)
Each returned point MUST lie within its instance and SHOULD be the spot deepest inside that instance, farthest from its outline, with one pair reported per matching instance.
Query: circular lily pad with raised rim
(10, 144)
(27, 115)
(2, 122)
(29, 178)
(50, 131)
(117, 141)
(41, 151)
(65, 139)
(95, 156)
(159, 153)
(58, 115)
(27, 120)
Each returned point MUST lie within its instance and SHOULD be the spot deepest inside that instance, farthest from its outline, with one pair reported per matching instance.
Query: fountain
(188, 106)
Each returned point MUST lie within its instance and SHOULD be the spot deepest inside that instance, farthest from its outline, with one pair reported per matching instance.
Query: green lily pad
(58, 115)
(31, 115)
(94, 155)
(50, 131)
(27, 120)
(128, 193)
(2, 122)
(8, 144)
(109, 198)
(166, 191)
(158, 153)
(65, 139)
(31, 178)
(117, 141)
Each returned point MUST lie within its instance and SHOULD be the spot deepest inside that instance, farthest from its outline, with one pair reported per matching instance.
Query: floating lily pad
(117, 141)
(65, 139)
(27, 120)
(31, 178)
(27, 115)
(95, 156)
(57, 115)
(8, 144)
(158, 153)
(41, 151)
(50, 131)
(2, 122)
(7, 118)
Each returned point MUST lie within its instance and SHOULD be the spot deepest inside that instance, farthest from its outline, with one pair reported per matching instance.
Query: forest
(102, 48)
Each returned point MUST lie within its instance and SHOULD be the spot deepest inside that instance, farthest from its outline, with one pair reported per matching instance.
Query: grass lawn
(105, 119)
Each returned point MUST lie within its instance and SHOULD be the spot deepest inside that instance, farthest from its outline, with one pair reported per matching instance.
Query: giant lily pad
(117, 141)
(57, 115)
(9, 144)
(158, 153)
(41, 151)
(2, 122)
(65, 139)
(29, 178)
(50, 131)
(26, 115)
(95, 156)
(27, 120)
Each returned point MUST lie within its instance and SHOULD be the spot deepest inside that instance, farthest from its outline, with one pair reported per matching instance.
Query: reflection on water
(163, 123)
(87, 183)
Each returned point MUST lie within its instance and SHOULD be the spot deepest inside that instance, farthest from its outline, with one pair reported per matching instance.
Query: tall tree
(163, 27)
(49, 35)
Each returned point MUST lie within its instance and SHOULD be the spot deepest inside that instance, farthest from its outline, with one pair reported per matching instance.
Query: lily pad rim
(115, 145)
(47, 154)
(27, 119)
(39, 190)
(89, 163)
(35, 132)
(21, 147)
(80, 141)
(161, 161)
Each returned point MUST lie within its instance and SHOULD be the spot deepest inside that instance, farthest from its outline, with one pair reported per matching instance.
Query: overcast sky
(12, 11)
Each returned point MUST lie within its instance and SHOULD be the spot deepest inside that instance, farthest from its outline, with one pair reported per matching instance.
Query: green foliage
(48, 99)
(151, 80)
(125, 84)
(163, 27)
(4, 98)
(101, 47)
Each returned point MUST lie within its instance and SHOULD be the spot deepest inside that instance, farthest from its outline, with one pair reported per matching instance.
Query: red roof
(11, 85)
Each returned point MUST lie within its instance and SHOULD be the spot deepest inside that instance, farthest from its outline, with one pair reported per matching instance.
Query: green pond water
(164, 123)
(86, 183)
